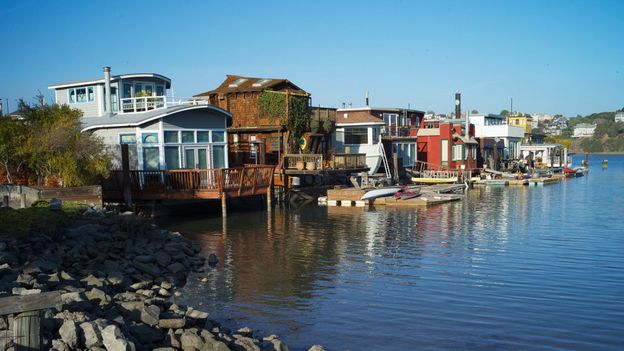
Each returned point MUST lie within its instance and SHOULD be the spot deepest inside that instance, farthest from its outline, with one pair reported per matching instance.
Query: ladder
(384, 159)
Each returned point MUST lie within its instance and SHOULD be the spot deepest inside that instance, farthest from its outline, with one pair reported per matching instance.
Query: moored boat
(379, 192)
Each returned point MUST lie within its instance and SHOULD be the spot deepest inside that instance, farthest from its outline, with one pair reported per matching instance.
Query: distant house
(446, 145)
(162, 131)
(619, 116)
(584, 130)
(524, 121)
(250, 130)
(497, 139)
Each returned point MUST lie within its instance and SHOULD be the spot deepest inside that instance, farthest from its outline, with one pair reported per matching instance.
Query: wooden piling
(223, 205)
(268, 198)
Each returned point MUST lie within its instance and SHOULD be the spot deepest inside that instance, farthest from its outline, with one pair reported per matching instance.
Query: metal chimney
(367, 99)
(458, 105)
(107, 92)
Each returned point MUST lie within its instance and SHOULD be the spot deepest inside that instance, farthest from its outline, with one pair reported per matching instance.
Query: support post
(268, 197)
(223, 205)
(395, 161)
(5, 201)
(125, 168)
(22, 200)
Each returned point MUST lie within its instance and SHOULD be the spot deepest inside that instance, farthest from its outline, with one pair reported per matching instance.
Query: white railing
(147, 103)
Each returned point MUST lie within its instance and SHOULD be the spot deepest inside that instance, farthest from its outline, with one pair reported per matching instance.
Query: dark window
(356, 135)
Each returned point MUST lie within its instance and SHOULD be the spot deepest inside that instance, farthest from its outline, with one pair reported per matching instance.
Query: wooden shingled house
(263, 111)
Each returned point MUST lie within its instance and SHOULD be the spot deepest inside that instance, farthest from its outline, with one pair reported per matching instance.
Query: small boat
(379, 192)
(406, 193)
(574, 172)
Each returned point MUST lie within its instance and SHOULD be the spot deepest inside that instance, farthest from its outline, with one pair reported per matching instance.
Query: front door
(196, 158)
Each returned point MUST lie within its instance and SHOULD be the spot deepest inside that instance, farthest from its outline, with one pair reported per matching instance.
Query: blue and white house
(163, 132)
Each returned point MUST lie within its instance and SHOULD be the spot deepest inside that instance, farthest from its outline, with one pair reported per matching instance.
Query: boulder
(69, 333)
(317, 348)
(162, 259)
(247, 344)
(71, 297)
(114, 340)
(146, 335)
(172, 339)
(59, 345)
(150, 315)
(96, 295)
(191, 341)
(91, 335)
(172, 323)
(213, 259)
(92, 281)
(176, 268)
(24, 291)
(146, 268)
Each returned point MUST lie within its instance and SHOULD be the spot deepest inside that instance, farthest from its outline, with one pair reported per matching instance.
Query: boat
(379, 192)
(406, 193)
(435, 180)
(574, 172)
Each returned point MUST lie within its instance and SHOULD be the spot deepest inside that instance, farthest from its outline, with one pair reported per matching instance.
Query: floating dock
(430, 195)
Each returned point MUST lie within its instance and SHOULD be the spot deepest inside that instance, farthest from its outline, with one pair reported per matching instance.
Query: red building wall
(430, 148)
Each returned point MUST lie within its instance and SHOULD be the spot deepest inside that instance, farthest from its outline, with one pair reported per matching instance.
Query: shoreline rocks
(116, 274)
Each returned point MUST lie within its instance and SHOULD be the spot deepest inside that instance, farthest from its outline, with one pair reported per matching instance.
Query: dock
(430, 195)
(520, 182)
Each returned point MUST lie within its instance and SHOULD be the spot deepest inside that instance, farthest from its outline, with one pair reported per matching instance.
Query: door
(196, 158)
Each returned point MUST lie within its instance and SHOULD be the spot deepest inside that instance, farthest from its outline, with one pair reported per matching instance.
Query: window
(375, 135)
(172, 157)
(127, 90)
(160, 90)
(188, 136)
(150, 138)
(113, 93)
(202, 137)
(457, 152)
(444, 152)
(151, 157)
(261, 82)
(171, 136)
(218, 137)
(356, 136)
(127, 139)
(237, 82)
(218, 156)
(78, 95)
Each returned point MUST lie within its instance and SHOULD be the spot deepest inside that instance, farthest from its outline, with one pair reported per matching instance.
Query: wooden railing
(349, 161)
(189, 184)
(316, 161)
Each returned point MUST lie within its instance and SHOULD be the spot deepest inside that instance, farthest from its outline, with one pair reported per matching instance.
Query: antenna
(367, 98)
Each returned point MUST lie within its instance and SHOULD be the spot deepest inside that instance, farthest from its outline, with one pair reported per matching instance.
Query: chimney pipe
(458, 105)
(107, 92)
(367, 99)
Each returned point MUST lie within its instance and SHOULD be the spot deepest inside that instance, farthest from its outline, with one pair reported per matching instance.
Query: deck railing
(303, 161)
(147, 103)
(349, 161)
(191, 183)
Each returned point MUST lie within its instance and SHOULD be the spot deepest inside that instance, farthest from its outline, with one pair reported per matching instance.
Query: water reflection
(507, 268)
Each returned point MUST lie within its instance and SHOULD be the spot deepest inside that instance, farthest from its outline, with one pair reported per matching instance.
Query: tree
(48, 143)
(504, 113)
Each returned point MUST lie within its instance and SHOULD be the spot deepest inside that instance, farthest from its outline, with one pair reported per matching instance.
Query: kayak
(406, 194)
(375, 193)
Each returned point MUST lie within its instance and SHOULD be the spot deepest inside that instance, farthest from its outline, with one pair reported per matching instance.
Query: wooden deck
(189, 184)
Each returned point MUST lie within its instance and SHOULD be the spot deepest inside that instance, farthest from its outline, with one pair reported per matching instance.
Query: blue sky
(550, 56)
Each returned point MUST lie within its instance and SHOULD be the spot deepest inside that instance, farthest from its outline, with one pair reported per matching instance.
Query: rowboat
(375, 193)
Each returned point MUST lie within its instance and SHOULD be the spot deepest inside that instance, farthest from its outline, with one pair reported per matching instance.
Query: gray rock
(90, 334)
(147, 268)
(172, 323)
(59, 345)
(164, 292)
(196, 314)
(25, 279)
(98, 296)
(114, 340)
(164, 349)
(317, 348)
(24, 291)
(93, 281)
(146, 335)
(69, 333)
(132, 309)
(248, 344)
(117, 278)
(66, 276)
(70, 297)
(172, 339)
(191, 341)
(162, 258)
(144, 258)
(166, 285)
(245, 331)
(146, 293)
(150, 315)
(176, 267)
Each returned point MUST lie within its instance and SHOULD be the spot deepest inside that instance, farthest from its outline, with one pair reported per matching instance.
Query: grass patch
(37, 219)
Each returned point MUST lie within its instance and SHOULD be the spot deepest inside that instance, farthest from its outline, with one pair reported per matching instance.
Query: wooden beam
(25, 303)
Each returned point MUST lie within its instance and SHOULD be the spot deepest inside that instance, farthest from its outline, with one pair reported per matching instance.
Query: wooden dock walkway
(188, 184)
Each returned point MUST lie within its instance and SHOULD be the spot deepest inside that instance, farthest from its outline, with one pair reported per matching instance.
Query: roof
(585, 125)
(241, 84)
(135, 119)
(370, 108)
(100, 80)
(357, 117)
(465, 140)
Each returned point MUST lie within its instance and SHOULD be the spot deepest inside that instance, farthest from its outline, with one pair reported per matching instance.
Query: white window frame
(86, 88)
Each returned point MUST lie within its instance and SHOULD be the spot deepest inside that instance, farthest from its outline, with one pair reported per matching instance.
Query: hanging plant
(272, 105)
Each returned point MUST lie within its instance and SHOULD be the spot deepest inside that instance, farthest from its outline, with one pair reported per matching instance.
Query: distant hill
(608, 137)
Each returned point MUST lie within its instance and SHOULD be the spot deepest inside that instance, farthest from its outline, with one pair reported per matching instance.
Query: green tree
(504, 113)
(53, 147)
(13, 154)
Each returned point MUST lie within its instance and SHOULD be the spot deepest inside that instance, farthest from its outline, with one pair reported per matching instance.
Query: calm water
(517, 268)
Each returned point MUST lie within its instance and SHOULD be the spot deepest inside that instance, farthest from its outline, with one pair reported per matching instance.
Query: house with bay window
(163, 132)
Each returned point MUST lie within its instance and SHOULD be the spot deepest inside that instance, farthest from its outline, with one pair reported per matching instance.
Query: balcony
(148, 103)
(398, 131)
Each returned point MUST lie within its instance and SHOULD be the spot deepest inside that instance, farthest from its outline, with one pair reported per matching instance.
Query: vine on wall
(272, 105)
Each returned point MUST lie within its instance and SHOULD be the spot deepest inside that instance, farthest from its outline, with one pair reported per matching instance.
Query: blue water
(508, 268)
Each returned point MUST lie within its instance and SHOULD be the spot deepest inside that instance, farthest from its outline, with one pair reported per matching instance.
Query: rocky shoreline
(116, 274)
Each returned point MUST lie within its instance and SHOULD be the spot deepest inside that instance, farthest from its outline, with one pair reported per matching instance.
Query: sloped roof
(242, 84)
(100, 80)
(135, 119)
(357, 117)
